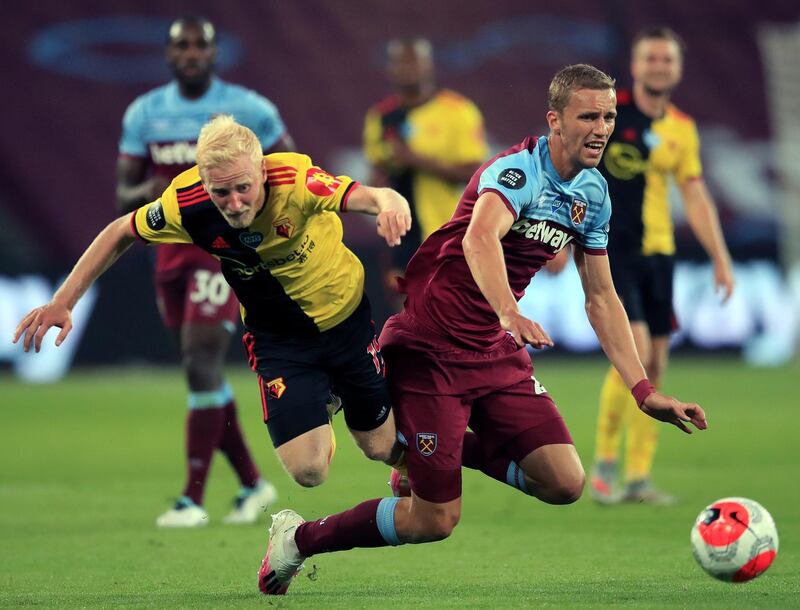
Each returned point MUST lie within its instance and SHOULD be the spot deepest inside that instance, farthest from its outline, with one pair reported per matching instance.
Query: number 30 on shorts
(211, 287)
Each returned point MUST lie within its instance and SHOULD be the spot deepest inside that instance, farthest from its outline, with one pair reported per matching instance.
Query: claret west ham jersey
(549, 214)
(162, 126)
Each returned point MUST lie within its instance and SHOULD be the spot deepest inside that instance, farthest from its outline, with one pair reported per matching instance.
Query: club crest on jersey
(251, 239)
(275, 388)
(320, 182)
(427, 443)
(578, 212)
(284, 227)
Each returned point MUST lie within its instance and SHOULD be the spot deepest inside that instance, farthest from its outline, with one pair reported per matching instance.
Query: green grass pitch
(87, 464)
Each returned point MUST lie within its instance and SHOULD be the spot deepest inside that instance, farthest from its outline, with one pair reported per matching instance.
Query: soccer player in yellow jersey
(271, 222)
(652, 142)
(424, 142)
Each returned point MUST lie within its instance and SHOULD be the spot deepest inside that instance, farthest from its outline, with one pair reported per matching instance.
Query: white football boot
(283, 561)
(250, 503)
(185, 513)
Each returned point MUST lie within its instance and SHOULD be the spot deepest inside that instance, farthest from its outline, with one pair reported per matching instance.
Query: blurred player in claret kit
(456, 354)
(272, 222)
(159, 136)
(425, 143)
(653, 141)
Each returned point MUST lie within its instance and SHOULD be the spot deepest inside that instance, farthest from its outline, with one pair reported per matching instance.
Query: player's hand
(525, 331)
(394, 220)
(36, 324)
(673, 411)
(724, 280)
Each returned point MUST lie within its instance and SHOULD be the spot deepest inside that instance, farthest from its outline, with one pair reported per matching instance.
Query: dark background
(70, 70)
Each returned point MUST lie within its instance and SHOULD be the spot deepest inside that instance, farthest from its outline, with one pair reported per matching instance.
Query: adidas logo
(220, 243)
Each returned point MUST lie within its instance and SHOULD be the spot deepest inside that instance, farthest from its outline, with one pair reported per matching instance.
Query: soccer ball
(734, 539)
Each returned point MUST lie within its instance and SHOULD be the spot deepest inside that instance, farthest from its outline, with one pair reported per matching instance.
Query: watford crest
(284, 227)
(275, 388)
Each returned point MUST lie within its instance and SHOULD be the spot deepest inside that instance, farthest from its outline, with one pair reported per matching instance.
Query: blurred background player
(653, 140)
(159, 135)
(423, 142)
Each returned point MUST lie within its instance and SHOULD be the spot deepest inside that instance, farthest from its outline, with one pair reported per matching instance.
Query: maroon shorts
(437, 393)
(196, 295)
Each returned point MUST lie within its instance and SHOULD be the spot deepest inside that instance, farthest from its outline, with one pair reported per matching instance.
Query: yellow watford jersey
(289, 269)
(449, 128)
(641, 156)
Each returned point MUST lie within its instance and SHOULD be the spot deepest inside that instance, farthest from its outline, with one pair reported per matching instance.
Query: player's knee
(309, 475)
(441, 526)
(568, 488)
(202, 372)
(436, 526)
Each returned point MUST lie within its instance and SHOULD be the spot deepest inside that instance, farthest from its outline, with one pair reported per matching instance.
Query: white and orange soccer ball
(734, 539)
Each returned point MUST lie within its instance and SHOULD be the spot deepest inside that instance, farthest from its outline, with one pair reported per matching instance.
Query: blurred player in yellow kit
(425, 143)
(652, 142)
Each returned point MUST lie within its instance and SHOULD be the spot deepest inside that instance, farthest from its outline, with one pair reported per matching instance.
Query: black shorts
(297, 375)
(644, 284)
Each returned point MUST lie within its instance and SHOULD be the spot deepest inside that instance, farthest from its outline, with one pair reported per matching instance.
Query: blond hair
(570, 79)
(222, 140)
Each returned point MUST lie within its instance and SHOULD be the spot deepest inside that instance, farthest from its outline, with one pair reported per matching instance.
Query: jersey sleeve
(325, 192)
(159, 222)
(132, 142)
(269, 126)
(470, 137)
(512, 179)
(689, 166)
(595, 238)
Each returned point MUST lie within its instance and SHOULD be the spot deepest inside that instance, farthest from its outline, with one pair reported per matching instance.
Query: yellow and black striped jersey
(290, 270)
(641, 156)
(448, 127)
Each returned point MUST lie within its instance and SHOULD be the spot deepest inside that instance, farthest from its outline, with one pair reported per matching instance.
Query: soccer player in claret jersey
(159, 136)
(456, 354)
(653, 142)
(271, 222)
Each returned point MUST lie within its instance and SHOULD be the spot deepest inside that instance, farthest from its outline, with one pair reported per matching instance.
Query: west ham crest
(427, 443)
(577, 212)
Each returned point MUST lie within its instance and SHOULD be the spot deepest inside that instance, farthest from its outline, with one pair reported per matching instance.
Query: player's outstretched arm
(483, 252)
(391, 208)
(613, 330)
(107, 247)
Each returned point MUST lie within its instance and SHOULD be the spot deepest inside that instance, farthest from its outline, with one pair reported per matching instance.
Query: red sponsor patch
(578, 211)
(275, 388)
(321, 183)
(284, 227)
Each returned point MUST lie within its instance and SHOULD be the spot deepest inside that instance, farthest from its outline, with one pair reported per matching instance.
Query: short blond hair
(574, 77)
(222, 140)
